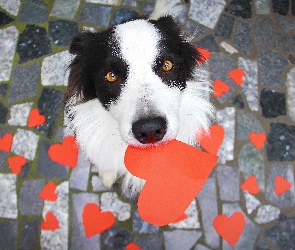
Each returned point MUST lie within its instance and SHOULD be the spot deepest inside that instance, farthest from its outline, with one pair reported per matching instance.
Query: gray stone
(266, 214)
(116, 238)
(290, 83)
(19, 114)
(97, 184)
(226, 118)
(11, 6)
(242, 37)
(25, 143)
(240, 8)
(33, 11)
(95, 15)
(271, 66)
(180, 239)
(251, 162)
(262, 245)
(287, 23)
(286, 42)
(141, 227)
(3, 114)
(251, 202)
(265, 32)
(247, 123)
(79, 240)
(286, 199)
(30, 235)
(48, 168)
(29, 201)
(8, 232)
(80, 175)
(150, 242)
(262, 6)
(8, 198)
(228, 182)
(194, 29)
(208, 204)
(225, 26)
(201, 247)
(24, 83)
(147, 9)
(65, 8)
(208, 43)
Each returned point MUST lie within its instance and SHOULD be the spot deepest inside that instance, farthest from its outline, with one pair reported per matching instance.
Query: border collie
(139, 83)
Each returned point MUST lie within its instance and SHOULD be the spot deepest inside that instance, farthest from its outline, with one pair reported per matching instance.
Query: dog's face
(138, 71)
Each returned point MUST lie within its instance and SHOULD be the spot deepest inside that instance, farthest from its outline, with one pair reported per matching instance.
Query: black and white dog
(138, 83)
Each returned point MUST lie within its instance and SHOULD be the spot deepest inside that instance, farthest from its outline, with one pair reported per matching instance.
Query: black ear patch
(81, 41)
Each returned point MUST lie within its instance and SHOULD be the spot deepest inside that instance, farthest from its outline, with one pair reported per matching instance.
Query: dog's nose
(149, 130)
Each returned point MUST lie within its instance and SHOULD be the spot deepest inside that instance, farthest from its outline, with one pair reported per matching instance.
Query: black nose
(149, 130)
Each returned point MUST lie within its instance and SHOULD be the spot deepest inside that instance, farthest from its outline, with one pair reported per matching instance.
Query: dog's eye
(167, 66)
(111, 77)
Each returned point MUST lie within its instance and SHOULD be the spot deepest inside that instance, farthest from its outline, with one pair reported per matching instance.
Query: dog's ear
(80, 42)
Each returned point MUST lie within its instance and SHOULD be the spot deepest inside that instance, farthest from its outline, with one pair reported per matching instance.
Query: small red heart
(220, 88)
(230, 228)
(237, 75)
(48, 192)
(95, 221)
(250, 185)
(16, 163)
(257, 139)
(6, 142)
(50, 222)
(132, 246)
(35, 118)
(65, 153)
(211, 142)
(282, 185)
(205, 54)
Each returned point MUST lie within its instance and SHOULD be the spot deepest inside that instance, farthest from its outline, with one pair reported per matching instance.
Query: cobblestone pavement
(256, 36)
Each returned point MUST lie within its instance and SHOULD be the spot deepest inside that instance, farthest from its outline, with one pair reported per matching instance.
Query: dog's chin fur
(102, 113)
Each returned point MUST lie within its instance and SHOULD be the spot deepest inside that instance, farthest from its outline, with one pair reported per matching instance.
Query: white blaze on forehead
(138, 42)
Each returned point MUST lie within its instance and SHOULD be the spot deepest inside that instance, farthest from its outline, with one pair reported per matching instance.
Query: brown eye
(111, 77)
(167, 66)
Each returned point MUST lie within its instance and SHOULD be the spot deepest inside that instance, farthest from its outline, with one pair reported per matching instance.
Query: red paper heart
(220, 88)
(35, 118)
(237, 75)
(230, 229)
(16, 163)
(6, 142)
(65, 153)
(250, 185)
(96, 222)
(132, 246)
(282, 185)
(48, 192)
(181, 218)
(174, 172)
(257, 139)
(50, 222)
(205, 54)
(212, 141)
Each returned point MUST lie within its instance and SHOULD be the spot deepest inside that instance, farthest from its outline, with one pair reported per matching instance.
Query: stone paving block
(226, 119)
(8, 198)
(116, 238)
(19, 114)
(123, 15)
(207, 199)
(11, 6)
(48, 168)
(237, 101)
(251, 202)
(251, 162)
(29, 201)
(209, 17)
(95, 15)
(61, 32)
(30, 234)
(3, 114)
(286, 42)
(3, 89)
(25, 143)
(272, 103)
(225, 26)
(228, 182)
(8, 232)
(8, 39)
(280, 6)
(266, 214)
(78, 239)
(140, 226)
(194, 29)
(201, 247)
(228, 48)
(262, 6)
(240, 8)
(290, 83)
(5, 19)
(57, 239)
(287, 199)
(150, 242)
(33, 11)
(180, 239)
(265, 32)
(243, 37)
(65, 8)
(287, 23)
(208, 43)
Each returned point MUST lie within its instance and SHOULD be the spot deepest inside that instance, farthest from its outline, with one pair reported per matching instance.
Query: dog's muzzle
(149, 130)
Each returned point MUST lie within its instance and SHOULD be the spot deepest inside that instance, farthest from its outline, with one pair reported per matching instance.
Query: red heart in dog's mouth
(174, 172)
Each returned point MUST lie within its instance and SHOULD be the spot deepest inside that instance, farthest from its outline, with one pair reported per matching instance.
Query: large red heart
(250, 185)
(95, 221)
(230, 229)
(6, 142)
(35, 118)
(132, 246)
(257, 139)
(50, 222)
(212, 141)
(48, 192)
(174, 172)
(65, 153)
(16, 163)
(220, 88)
(237, 75)
(282, 185)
